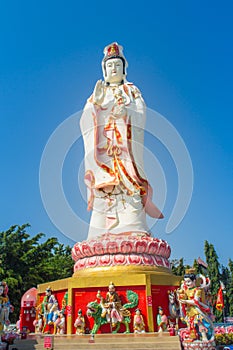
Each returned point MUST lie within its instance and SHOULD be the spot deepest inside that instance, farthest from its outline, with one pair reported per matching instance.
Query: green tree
(214, 274)
(229, 288)
(25, 262)
(178, 267)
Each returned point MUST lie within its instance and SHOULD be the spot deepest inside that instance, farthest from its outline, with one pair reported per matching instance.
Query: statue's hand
(119, 111)
(99, 93)
(182, 301)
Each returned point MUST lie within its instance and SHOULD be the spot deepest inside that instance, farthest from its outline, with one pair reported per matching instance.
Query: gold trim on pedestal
(135, 275)
(122, 269)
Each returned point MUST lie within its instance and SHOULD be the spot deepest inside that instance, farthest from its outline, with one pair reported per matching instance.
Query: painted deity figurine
(110, 311)
(49, 307)
(194, 309)
(113, 305)
(4, 306)
(161, 320)
(112, 126)
(79, 323)
(38, 323)
(138, 322)
(174, 308)
(60, 323)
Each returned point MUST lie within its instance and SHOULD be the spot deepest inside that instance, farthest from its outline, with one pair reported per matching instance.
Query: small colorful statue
(38, 323)
(161, 320)
(111, 311)
(79, 323)
(18, 324)
(60, 323)
(49, 308)
(194, 309)
(4, 306)
(113, 305)
(138, 322)
(171, 328)
(174, 308)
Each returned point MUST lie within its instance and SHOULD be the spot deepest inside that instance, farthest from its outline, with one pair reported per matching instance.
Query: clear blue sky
(180, 55)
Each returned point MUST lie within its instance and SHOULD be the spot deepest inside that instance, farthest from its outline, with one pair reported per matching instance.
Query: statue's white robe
(114, 157)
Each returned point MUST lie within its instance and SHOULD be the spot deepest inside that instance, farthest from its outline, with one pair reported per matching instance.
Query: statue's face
(114, 71)
(111, 289)
(189, 283)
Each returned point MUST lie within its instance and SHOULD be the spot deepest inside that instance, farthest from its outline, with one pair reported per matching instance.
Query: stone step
(103, 342)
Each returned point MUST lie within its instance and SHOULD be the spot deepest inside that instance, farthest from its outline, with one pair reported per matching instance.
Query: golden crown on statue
(113, 50)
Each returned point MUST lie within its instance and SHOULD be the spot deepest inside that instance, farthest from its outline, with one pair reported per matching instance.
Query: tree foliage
(213, 267)
(214, 275)
(178, 267)
(229, 288)
(25, 262)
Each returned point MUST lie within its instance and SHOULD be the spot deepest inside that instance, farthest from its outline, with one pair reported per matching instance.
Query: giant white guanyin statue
(112, 126)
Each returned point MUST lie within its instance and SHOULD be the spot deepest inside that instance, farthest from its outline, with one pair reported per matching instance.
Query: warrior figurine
(49, 307)
(113, 305)
(194, 309)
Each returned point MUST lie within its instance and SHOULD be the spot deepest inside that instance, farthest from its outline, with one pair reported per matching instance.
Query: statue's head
(111, 287)
(48, 291)
(190, 277)
(3, 288)
(93, 308)
(160, 310)
(114, 64)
